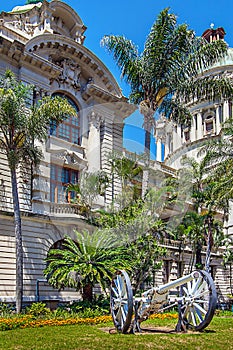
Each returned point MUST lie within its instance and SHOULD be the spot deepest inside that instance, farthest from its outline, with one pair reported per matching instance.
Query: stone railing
(64, 208)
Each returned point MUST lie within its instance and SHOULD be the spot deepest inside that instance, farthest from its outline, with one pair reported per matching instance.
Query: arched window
(69, 129)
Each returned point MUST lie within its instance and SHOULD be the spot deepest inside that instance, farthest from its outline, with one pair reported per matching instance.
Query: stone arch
(55, 48)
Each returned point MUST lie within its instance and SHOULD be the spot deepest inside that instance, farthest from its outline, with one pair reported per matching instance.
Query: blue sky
(134, 18)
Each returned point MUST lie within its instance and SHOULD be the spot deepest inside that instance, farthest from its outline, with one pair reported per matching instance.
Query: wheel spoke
(193, 317)
(196, 285)
(202, 301)
(189, 286)
(115, 292)
(119, 285)
(200, 308)
(123, 313)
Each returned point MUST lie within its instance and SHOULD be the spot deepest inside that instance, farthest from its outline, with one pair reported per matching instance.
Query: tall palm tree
(20, 128)
(168, 72)
(202, 224)
(128, 171)
(85, 261)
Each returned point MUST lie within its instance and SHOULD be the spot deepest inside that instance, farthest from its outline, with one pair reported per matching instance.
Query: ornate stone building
(180, 141)
(43, 44)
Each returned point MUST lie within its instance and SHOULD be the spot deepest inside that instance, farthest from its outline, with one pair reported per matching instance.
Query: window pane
(209, 126)
(60, 177)
(69, 129)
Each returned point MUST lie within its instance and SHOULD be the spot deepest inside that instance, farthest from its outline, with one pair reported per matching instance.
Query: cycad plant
(92, 258)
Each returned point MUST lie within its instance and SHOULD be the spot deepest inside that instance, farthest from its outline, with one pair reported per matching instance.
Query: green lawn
(217, 336)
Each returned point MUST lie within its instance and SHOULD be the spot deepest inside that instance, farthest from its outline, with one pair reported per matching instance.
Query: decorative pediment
(68, 159)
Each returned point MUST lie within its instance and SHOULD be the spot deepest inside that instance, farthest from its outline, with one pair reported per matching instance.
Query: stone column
(93, 151)
(199, 125)
(46, 16)
(193, 130)
(225, 110)
(217, 119)
(158, 149)
(177, 140)
(165, 142)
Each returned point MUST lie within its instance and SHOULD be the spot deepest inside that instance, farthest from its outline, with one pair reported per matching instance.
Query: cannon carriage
(195, 299)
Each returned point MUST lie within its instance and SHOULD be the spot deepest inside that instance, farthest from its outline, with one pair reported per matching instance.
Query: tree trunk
(18, 243)
(147, 142)
(209, 245)
(87, 292)
(145, 174)
(198, 263)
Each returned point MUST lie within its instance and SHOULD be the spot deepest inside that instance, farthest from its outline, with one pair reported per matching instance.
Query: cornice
(120, 105)
(69, 48)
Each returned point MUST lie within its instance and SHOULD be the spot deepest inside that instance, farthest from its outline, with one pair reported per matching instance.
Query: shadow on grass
(150, 330)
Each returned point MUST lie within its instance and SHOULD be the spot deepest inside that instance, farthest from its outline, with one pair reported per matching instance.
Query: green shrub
(100, 306)
(6, 309)
(38, 309)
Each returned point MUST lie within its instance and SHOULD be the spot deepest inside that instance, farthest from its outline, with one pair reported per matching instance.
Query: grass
(85, 337)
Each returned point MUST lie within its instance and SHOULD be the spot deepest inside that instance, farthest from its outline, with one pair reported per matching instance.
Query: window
(220, 112)
(187, 135)
(59, 179)
(69, 129)
(209, 124)
(230, 109)
(167, 270)
(196, 123)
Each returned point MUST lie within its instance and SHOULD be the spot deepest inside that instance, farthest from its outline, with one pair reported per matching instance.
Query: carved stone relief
(95, 119)
(71, 73)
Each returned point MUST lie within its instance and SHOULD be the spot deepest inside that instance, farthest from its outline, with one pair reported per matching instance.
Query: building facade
(43, 44)
(181, 141)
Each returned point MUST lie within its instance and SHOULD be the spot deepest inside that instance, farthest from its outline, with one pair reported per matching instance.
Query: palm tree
(202, 226)
(90, 259)
(168, 72)
(128, 171)
(20, 128)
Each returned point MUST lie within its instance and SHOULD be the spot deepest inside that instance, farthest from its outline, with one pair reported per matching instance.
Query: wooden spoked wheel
(200, 299)
(121, 301)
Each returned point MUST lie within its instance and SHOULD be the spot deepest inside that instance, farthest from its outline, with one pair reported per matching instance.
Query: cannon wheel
(199, 311)
(121, 301)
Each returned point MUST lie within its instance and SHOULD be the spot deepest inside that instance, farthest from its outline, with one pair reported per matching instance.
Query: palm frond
(173, 109)
(126, 56)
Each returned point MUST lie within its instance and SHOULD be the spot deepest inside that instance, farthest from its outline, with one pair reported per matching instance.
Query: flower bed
(28, 321)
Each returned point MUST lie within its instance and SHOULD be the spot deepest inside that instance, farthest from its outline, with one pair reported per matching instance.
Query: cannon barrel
(166, 287)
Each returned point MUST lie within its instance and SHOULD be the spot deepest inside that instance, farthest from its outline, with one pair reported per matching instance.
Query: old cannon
(194, 295)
